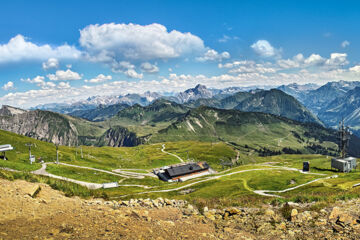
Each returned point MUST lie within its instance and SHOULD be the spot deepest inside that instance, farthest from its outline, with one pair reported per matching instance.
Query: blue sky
(56, 51)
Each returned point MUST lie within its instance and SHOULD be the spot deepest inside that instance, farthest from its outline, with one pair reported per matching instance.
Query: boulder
(32, 190)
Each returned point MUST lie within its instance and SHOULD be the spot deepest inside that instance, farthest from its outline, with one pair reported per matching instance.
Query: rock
(281, 226)
(335, 214)
(232, 211)
(321, 222)
(347, 219)
(210, 215)
(269, 213)
(294, 213)
(190, 210)
(167, 201)
(32, 190)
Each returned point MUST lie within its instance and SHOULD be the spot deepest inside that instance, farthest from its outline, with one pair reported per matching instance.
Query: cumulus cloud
(99, 78)
(149, 68)
(67, 75)
(264, 49)
(109, 42)
(40, 82)
(50, 63)
(212, 55)
(355, 68)
(248, 67)
(63, 85)
(131, 73)
(337, 59)
(8, 86)
(345, 43)
(19, 48)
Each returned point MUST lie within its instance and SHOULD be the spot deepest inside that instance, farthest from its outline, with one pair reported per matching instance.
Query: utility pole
(57, 153)
(31, 159)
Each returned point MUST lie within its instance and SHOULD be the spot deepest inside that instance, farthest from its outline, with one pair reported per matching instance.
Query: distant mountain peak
(200, 91)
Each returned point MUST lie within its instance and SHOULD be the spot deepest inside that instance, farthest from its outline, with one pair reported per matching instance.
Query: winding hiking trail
(266, 192)
(259, 192)
(42, 171)
(163, 150)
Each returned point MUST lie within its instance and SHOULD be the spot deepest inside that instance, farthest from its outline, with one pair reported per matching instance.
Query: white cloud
(63, 85)
(345, 43)
(337, 59)
(224, 39)
(149, 68)
(212, 55)
(131, 73)
(314, 59)
(109, 42)
(40, 82)
(51, 63)
(355, 69)
(249, 67)
(36, 80)
(99, 78)
(8, 86)
(67, 75)
(18, 49)
(264, 49)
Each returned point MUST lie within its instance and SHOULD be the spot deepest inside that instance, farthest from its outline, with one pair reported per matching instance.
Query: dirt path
(266, 192)
(120, 174)
(89, 185)
(42, 171)
(163, 150)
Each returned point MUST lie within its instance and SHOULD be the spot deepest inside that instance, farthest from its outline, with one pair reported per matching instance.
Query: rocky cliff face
(41, 125)
(118, 137)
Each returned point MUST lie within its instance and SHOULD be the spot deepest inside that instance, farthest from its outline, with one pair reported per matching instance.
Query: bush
(286, 211)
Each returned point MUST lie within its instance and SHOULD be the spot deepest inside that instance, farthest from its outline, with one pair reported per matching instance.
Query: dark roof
(186, 169)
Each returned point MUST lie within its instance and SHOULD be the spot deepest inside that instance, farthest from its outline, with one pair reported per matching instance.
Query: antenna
(344, 137)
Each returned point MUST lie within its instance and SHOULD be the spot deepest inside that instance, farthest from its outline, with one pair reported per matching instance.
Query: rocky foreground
(35, 211)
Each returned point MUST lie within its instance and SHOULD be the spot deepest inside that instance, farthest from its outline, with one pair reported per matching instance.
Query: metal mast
(344, 137)
(30, 156)
(57, 153)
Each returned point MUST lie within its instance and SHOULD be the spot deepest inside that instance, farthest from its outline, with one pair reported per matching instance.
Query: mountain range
(152, 117)
(332, 103)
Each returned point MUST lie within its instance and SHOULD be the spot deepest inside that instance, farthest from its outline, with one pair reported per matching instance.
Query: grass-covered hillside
(229, 186)
(249, 130)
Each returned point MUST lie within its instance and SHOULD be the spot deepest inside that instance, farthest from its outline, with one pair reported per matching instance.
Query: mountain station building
(183, 172)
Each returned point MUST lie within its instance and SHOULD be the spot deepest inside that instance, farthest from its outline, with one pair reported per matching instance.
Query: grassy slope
(243, 128)
(230, 190)
(82, 174)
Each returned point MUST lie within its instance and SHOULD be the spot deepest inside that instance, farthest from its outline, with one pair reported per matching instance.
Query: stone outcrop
(41, 125)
